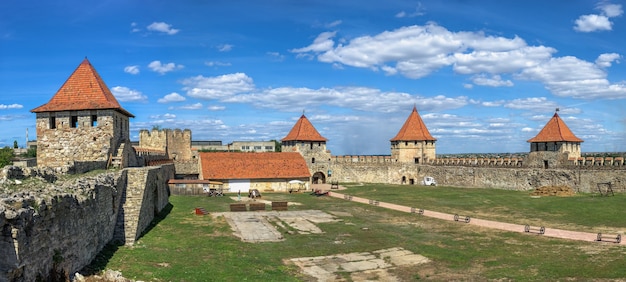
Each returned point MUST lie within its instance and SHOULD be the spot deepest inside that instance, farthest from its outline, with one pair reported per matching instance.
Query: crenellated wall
(63, 227)
(484, 176)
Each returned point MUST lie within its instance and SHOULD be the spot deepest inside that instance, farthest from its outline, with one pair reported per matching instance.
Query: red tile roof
(303, 130)
(555, 131)
(414, 129)
(83, 90)
(238, 165)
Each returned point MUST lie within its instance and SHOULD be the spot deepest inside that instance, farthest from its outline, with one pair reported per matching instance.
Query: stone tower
(83, 125)
(554, 144)
(413, 143)
(306, 140)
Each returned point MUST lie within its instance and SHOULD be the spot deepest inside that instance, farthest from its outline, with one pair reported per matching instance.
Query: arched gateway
(318, 178)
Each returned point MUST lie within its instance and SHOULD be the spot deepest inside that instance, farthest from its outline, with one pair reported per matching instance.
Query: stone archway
(318, 178)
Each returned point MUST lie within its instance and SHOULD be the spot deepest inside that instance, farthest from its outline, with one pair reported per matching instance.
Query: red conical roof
(555, 131)
(303, 130)
(83, 90)
(414, 129)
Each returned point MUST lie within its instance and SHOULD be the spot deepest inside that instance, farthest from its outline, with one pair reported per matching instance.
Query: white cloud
(225, 47)
(162, 27)
(572, 77)
(217, 87)
(134, 27)
(216, 108)
(493, 103)
(217, 64)
(132, 69)
(605, 60)
(11, 106)
(126, 94)
(322, 43)
(595, 22)
(172, 97)
(276, 56)
(493, 81)
(333, 24)
(611, 10)
(165, 116)
(195, 106)
(419, 11)
(357, 98)
(589, 23)
(157, 66)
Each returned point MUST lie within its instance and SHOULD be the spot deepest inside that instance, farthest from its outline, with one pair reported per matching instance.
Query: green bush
(6, 156)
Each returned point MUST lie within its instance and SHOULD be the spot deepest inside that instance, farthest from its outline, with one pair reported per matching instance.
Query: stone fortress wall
(169, 144)
(64, 227)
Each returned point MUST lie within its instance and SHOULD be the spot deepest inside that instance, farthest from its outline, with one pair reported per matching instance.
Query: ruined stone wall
(146, 194)
(189, 167)
(64, 226)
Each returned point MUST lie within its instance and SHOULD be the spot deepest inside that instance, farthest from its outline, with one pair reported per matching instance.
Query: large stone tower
(413, 143)
(83, 125)
(554, 144)
(306, 140)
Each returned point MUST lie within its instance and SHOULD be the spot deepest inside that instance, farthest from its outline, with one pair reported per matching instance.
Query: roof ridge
(304, 130)
(555, 130)
(413, 129)
(84, 89)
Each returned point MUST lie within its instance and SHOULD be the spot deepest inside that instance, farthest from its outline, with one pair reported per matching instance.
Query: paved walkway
(549, 232)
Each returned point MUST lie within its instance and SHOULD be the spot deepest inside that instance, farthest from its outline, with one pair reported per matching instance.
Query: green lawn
(182, 246)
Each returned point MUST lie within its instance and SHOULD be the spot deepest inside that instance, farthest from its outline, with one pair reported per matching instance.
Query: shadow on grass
(99, 263)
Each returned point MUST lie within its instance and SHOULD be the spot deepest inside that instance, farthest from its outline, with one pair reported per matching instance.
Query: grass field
(181, 246)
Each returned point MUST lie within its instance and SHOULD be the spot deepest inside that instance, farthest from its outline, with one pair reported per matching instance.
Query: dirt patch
(559, 191)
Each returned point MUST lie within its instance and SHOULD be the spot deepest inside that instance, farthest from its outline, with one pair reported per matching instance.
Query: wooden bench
(334, 185)
(533, 229)
(458, 218)
(238, 207)
(279, 206)
(257, 206)
(609, 238)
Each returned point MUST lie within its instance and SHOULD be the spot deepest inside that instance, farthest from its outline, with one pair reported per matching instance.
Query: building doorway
(318, 178)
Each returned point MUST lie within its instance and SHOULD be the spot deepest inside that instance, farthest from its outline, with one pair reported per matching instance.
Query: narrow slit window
(94, 121)
(53, 123)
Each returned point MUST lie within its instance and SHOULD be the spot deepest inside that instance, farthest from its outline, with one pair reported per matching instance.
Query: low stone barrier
(279, 206)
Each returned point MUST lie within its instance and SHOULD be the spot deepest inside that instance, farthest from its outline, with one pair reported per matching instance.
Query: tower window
(312, 160)
(73, 121)
(94, 120)
(53, 123)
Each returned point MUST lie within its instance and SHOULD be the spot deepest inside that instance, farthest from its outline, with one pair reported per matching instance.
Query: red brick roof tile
(303, 130)
(238, 165)
(83, 90)
(555, 131)
(414, 129)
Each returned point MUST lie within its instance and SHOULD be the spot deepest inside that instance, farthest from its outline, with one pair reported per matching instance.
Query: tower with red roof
(83, 125)
(555, 137)
(306, 140)
(413, 143)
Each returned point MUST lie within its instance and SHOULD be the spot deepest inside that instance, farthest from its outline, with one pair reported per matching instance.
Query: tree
(31, 153)
(15, 144)
(277, 146)
(6, 156)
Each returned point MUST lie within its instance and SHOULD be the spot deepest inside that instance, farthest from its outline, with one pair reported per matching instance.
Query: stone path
(260, 226)
(372, 266)
(550, 232)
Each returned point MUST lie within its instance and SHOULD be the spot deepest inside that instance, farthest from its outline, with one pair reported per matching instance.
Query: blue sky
(485, 75)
